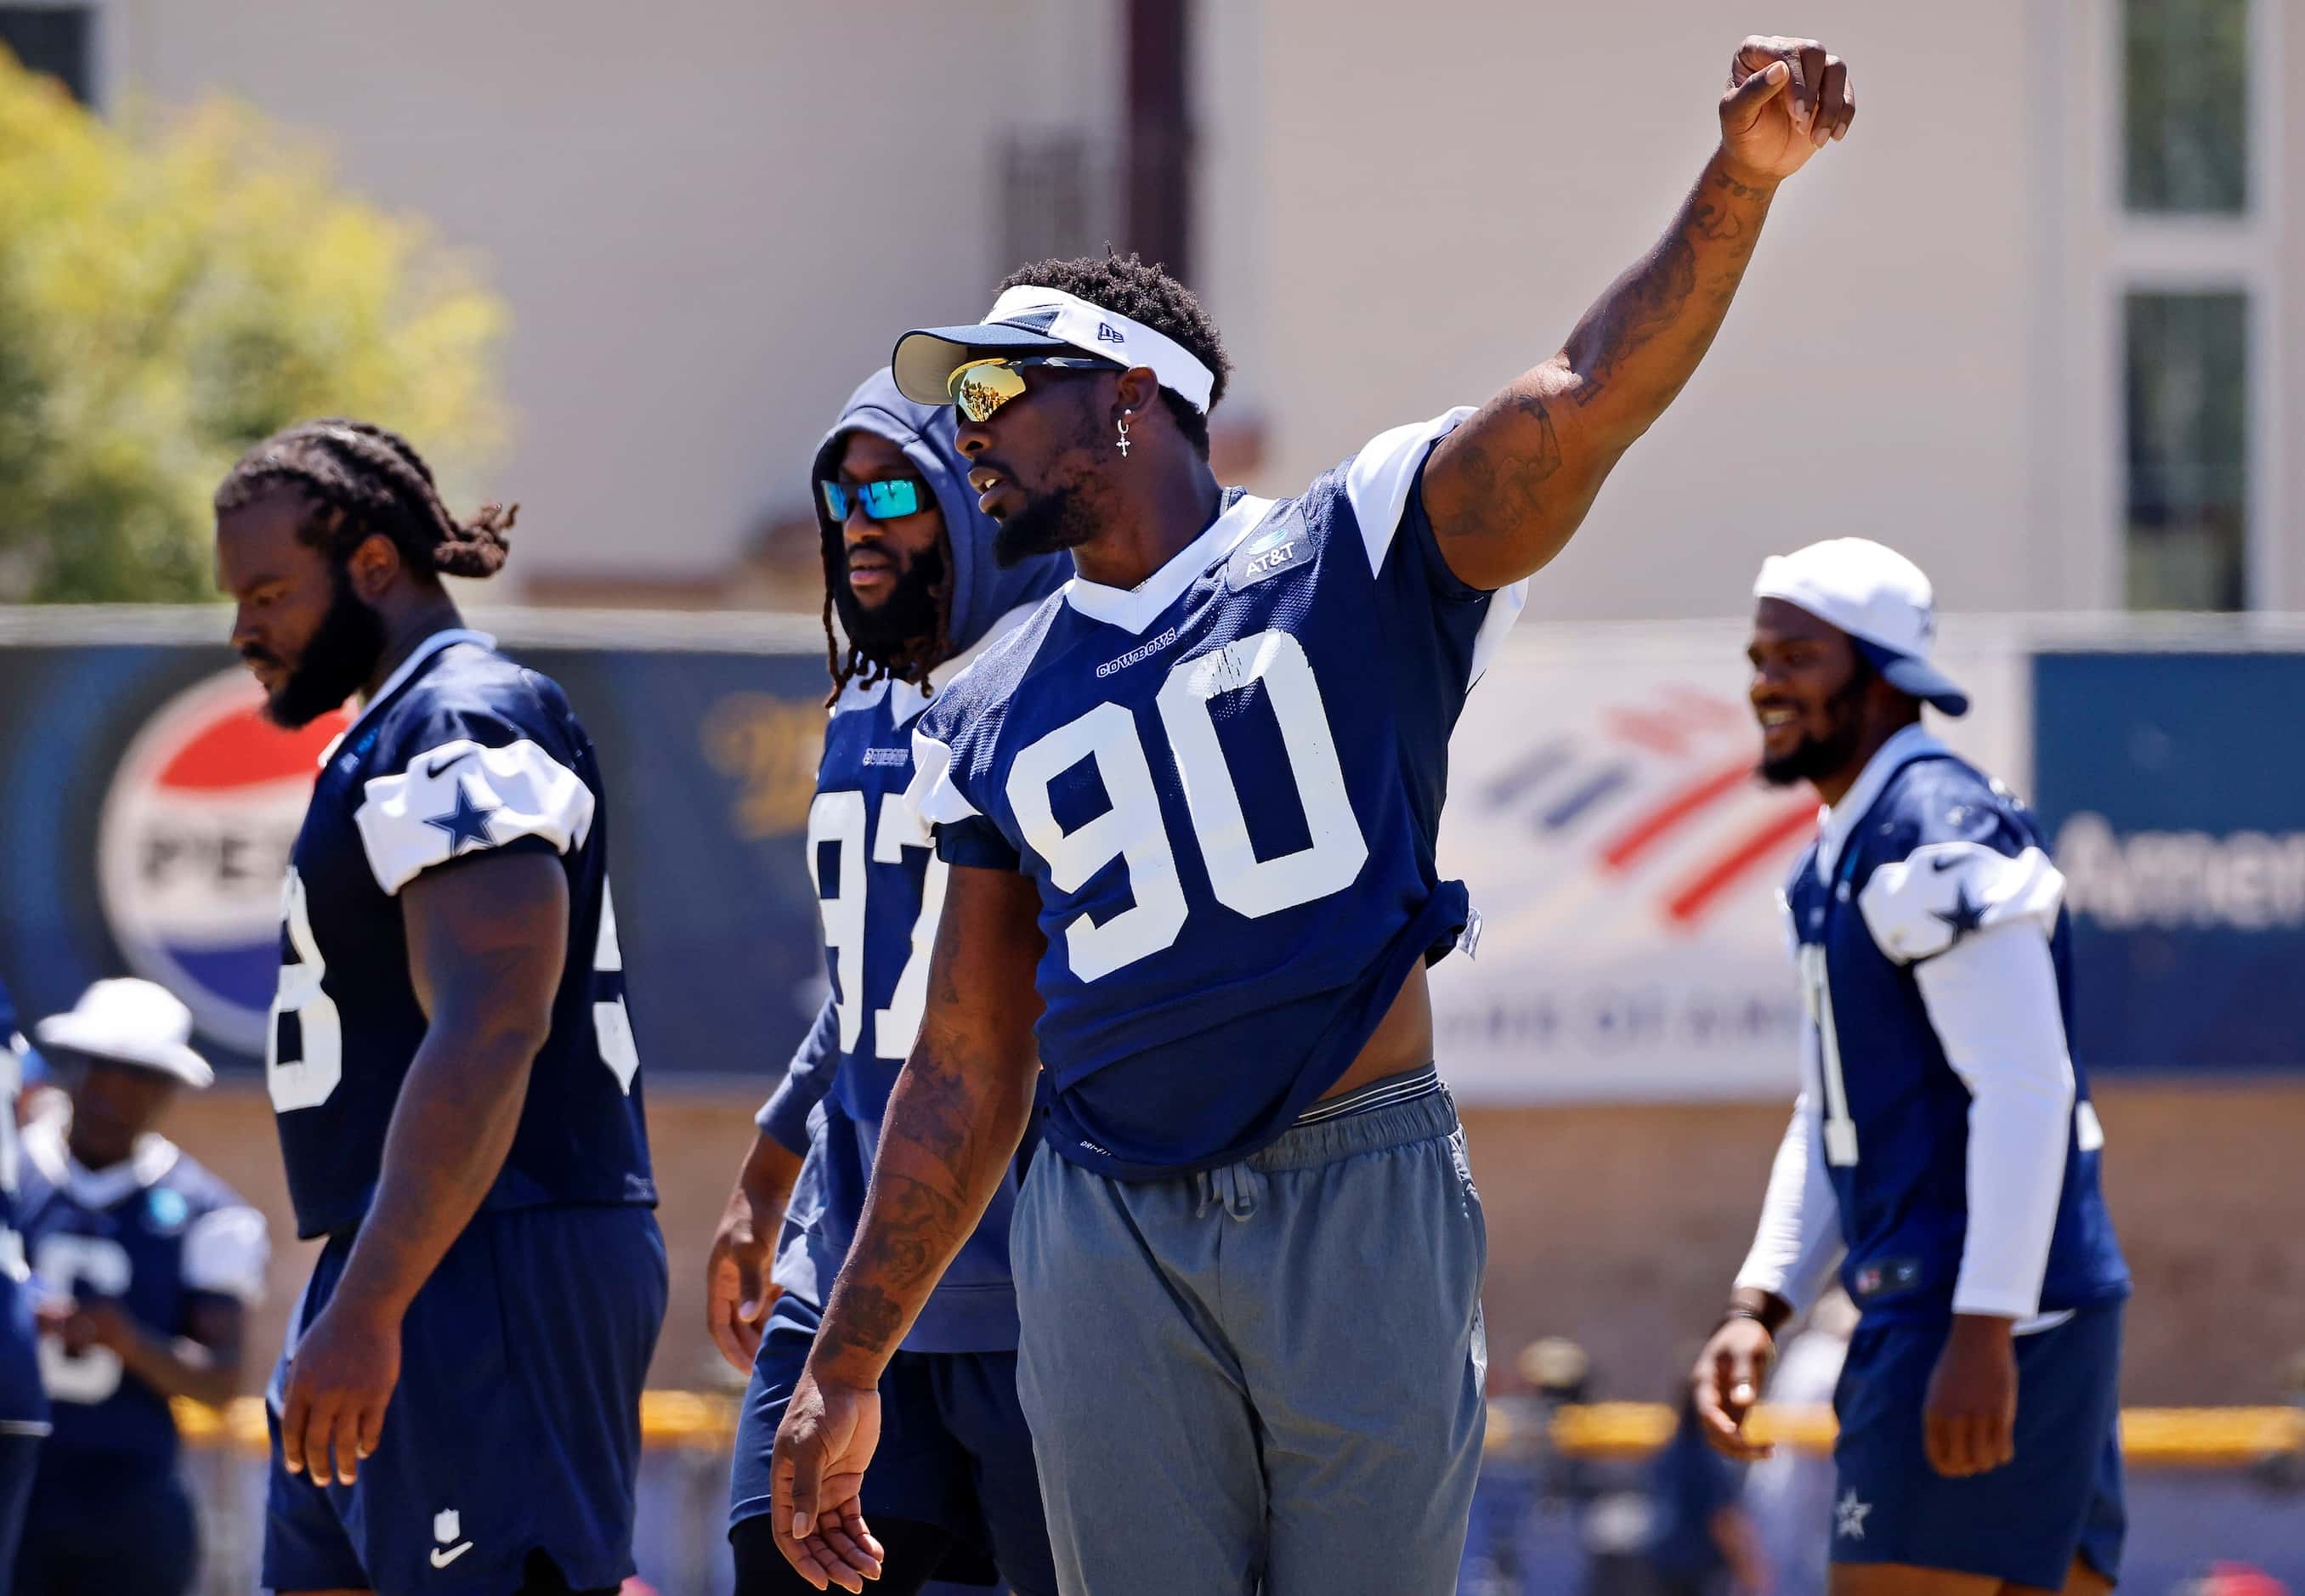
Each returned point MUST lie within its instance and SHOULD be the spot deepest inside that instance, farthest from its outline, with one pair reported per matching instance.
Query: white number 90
(1131, 830)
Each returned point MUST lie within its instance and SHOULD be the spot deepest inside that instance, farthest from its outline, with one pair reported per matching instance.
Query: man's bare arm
(960, 1107)
(1507, 490)
(487, 939)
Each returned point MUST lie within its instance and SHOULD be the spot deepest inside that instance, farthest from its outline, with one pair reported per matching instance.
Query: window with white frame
(2197, 272)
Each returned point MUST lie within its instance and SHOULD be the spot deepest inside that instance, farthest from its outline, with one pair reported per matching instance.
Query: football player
(151, 1265)
(452, 1061)
(1190, 808)
(1944, 1147)
(909, 568)
(24, 1405)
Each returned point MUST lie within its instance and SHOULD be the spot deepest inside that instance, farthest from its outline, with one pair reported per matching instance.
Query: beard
(1056, 521)
(908, 617)
(1821, 756)
(337, 661)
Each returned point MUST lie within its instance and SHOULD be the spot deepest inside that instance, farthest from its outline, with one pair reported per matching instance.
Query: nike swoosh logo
(1942, 862)
(433, 770)
(442, 1556)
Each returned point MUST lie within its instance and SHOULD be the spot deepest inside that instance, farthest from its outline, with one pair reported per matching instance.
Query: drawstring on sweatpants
(1234, 1186)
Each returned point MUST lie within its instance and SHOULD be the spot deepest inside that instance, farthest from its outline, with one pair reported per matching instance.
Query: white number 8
(307, 1077)
(1131, 830)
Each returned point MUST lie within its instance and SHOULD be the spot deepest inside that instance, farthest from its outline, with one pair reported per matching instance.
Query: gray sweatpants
(1267, 1377)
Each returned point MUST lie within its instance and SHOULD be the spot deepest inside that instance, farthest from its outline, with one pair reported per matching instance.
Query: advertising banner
(2173, 800)
(146, 813)
(1602, 808)
(1626, 862)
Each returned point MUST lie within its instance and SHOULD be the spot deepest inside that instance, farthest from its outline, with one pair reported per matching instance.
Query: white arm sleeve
(1798, 1242)
(1992, 999)
(225, 1251)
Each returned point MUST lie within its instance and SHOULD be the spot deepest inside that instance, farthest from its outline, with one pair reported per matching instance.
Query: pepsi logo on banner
(194, 845)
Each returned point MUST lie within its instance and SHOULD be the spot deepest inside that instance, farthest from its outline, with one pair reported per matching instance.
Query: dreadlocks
(370, 481)
(904, 645)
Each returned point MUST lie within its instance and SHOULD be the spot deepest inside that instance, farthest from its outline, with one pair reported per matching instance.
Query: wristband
(1740, 1312)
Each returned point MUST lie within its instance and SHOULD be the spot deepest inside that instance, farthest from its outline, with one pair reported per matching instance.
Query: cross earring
(1123, 435)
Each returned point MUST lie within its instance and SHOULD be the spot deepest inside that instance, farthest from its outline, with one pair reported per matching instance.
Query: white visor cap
(1026, 320)
(1880, 598)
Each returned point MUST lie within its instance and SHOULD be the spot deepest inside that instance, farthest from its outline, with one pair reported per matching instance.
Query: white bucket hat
(129, 1022)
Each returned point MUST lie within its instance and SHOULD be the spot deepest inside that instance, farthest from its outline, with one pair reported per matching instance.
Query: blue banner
(145, 812)
(2172, 787)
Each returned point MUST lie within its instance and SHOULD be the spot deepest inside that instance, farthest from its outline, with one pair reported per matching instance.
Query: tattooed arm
(1506, 490)
(960, 1107)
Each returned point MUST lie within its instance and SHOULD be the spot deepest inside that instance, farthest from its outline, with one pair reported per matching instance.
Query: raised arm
(487, 939)
(959, 1111)
(1506, 490)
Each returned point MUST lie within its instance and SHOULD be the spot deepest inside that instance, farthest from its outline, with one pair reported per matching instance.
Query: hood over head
(982, 591)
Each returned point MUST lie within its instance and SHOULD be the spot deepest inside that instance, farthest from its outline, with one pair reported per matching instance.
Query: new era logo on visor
(1106, 335)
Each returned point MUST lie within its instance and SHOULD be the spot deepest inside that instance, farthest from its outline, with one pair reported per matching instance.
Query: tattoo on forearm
(1721, 180)
(943, 1108)
(917, 1225)
(1646, 300)
(1716, 223)
(868, 1323)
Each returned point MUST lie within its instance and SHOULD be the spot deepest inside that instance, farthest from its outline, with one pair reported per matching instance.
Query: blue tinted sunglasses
(884, 500)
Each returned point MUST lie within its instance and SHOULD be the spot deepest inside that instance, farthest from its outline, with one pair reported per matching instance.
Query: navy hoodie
(881, 887)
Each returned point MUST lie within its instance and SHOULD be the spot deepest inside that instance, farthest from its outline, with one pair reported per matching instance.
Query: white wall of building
(710, 217)
(1447, 198)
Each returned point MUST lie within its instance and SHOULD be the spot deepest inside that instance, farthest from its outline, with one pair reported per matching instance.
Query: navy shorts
(94, 1531)
(954, 1452)
(2024, 1521)
(515, 1428)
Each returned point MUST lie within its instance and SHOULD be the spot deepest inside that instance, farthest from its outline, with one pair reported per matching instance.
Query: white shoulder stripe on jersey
(931, 795)
(226, 1251)
(460, 798)
(1377, 481)
(1377, 484)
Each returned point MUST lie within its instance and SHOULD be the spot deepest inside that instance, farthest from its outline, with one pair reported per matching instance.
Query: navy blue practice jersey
(1227, 784)
(150, 1236)
(1936, 853)
(463, 752)
(880, 890)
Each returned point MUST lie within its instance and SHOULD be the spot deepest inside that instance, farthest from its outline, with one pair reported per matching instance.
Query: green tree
(170, 294)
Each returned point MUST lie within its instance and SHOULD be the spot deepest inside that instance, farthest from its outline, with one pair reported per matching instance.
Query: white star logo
(1848, 1515)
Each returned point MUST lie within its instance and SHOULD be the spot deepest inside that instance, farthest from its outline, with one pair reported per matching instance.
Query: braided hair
(370, 480)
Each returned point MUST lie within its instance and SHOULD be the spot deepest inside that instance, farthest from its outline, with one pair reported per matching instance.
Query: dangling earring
(1123, 435)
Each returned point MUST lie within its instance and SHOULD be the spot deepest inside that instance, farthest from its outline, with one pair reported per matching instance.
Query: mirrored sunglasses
(884, 500)
(980, 388)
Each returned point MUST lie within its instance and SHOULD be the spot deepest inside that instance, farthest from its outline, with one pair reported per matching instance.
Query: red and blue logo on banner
(192, 848)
